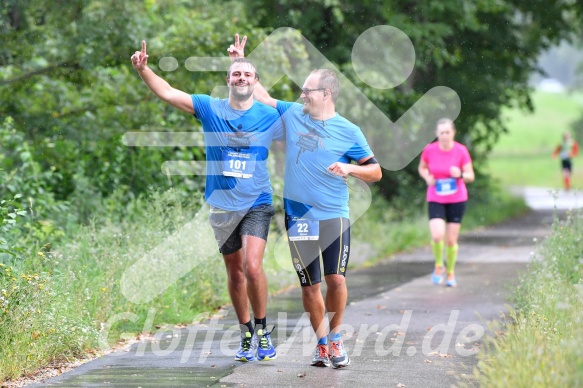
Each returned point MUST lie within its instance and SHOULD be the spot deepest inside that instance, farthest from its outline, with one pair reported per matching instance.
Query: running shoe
(339, 357)
(451, 282)
(247, 348)
(437, 276)
(265, 351)
(321, 356)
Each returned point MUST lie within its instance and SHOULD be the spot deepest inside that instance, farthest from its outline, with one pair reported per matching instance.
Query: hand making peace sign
(237, 50)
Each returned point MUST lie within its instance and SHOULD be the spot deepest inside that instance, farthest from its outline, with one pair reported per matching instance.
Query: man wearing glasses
(320, 146)
(238, 133)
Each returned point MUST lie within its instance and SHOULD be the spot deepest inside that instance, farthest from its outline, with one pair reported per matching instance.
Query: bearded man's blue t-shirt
(237, 147)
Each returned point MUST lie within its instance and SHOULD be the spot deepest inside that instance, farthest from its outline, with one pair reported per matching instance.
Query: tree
(484, 50)
(67, 81)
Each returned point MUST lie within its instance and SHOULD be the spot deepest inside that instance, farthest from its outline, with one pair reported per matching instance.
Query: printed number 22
(302, 228)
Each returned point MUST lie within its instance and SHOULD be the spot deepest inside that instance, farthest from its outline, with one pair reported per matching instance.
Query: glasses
(308, 91)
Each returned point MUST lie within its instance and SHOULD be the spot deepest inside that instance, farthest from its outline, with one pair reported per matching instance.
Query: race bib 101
(238, 164)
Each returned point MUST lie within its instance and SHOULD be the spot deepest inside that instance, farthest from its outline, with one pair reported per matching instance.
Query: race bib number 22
(301, 230)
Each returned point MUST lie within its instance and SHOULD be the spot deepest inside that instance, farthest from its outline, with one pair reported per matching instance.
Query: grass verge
(542, 346)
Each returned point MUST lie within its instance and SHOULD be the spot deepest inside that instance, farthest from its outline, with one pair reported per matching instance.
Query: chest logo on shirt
(309, 141)
(239, 139)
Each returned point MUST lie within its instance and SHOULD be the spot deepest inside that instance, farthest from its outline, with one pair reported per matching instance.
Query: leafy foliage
(25, 176)
(9, 211)
(484, 50)
(68, 83)
(67, 80)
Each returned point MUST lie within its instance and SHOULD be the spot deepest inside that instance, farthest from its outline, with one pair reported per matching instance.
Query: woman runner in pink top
(446, 166)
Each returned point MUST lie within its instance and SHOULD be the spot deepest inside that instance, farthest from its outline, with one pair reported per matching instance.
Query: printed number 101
(237, 164)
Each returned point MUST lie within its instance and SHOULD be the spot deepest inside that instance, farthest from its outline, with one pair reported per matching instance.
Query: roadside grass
(57, 304)
(62, 302)
(542, 344)
(490, 204)
(37, 322)
(523, 156)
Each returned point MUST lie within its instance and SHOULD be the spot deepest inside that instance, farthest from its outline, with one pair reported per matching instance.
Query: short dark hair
(328, 80)
(243, 60)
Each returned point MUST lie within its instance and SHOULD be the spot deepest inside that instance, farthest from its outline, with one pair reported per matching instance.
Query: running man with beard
(238, 132)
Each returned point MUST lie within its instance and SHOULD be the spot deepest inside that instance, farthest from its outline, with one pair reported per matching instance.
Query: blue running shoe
(247, 348)
(338, 357)
(451, 282)
(265, 351)
(437, 276)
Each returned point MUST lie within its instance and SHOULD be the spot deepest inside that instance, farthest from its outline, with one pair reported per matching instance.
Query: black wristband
(461, 175)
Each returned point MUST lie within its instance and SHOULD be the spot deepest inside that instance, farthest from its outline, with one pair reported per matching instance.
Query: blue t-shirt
(237, 145)
(310, 191)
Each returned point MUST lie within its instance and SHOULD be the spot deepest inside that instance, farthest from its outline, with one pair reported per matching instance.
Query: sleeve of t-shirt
(201, 105)
(425, 154)
(575, 150)
(360, 148)
(283, 106)
(278, 130)
(466, 158)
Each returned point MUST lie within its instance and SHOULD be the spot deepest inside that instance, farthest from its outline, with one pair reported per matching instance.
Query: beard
(241, 94)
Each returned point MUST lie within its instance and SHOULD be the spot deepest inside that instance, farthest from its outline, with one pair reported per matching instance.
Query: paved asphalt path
(406, 332)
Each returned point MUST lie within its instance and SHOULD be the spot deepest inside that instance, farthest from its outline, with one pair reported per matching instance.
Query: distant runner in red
(567, 150)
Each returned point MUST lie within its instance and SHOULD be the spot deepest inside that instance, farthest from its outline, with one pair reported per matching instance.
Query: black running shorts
(450, 212)
(229, 226)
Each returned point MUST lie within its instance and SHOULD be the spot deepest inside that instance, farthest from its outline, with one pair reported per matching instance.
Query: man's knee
(335, 281)
(236, 277)
(312, 290)
(235, 269)
(254, 272)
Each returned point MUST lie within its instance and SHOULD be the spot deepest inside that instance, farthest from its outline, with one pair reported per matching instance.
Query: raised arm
(237, 50)
(159, 86)
(262, 95)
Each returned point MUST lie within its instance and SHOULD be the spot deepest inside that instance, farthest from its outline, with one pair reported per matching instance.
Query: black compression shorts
(333, 246)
